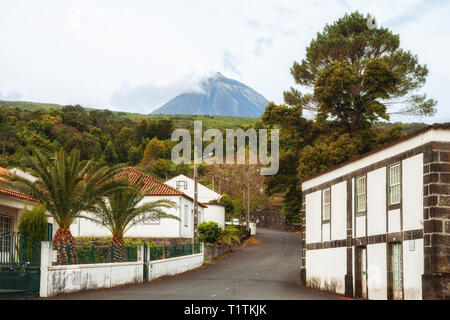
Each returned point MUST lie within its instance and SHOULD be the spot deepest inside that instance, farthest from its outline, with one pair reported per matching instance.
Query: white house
(377, 226)
(164, 228)
(12, 203)
(215, 211)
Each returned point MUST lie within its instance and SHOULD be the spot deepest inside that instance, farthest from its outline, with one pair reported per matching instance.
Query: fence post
(92, 254)
(46, 262)
(68, 253)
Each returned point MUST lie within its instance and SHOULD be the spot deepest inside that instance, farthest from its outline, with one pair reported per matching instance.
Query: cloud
(145, 98)
(230, 62)
(261, 43)
(11, 96)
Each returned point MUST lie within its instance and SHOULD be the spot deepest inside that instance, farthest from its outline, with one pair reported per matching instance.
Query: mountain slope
(221, 96)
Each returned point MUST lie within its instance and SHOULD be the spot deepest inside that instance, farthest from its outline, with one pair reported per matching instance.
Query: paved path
(268, 270)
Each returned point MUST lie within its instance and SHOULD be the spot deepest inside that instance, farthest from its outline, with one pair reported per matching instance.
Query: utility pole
(248, 197)
(195, 204)
(196, 196)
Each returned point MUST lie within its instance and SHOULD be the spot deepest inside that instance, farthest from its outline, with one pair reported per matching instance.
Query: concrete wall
(338, 211)
(313, 216)
(71, 278)
(412, 269)
(412, 189)
(376, 202)
(376, 272)
(172, 266)
(328, 267)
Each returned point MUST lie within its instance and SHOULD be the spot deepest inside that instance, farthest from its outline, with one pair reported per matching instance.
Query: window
(181, 184)
(5, 223)
(326, 204)
(361, 194)
(394, 184)
(154, 222)
(186, 215)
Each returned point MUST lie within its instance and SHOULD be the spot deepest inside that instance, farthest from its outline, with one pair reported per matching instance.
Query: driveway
(267, 270)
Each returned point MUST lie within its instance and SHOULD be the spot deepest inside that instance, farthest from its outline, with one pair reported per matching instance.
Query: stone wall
(273, 220)
(214, 251)
(436, 235)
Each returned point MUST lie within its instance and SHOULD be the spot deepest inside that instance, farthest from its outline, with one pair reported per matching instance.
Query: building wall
(313, 217)
(215, 213)
(412, 269)
(419, 222)
(376, 271)
(376, 201)
(339, 211)
(412, 182)
(166, 228)
(204, 194)
(329, 276)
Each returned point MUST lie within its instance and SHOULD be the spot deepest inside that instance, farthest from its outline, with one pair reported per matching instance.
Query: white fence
(72, 278)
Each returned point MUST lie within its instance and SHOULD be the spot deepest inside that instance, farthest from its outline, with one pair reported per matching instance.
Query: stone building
(377, 226)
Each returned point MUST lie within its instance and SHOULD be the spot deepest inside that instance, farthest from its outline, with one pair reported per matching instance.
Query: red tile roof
(159, 188)
(11, 193)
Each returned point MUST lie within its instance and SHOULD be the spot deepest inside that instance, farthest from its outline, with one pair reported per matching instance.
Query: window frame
(6, 217)
(360, 212)
(399, 184)
(326, 204)
(181, 183)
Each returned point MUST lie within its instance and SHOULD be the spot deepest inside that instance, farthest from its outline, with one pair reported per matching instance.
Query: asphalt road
(268, 270)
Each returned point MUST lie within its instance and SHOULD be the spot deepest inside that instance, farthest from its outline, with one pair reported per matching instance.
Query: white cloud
(134, 55)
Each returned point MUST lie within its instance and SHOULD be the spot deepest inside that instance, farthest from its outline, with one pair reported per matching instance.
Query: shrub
(209, 232)
(33, 222)
(229, 234)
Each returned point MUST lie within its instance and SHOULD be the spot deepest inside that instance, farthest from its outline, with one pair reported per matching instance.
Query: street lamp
(196, 197)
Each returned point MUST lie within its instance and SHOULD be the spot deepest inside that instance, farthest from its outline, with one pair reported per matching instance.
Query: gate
(20, 271)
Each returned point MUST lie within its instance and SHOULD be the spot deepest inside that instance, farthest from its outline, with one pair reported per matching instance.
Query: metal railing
(17, 249)
(100, 254)
(166, 252)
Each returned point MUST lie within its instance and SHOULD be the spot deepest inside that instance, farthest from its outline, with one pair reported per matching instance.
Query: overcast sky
(136, 55)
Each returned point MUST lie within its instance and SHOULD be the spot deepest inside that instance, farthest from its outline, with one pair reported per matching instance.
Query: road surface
(267, 270)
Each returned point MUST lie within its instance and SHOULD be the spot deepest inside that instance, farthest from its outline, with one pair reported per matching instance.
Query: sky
(136, 55)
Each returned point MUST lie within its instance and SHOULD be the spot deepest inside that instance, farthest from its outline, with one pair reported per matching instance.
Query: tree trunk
(64, 242)
(119, 250)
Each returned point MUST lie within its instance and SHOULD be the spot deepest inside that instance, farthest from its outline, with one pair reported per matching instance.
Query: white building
(215, 211)
(377, 226)
(164, 228)
(12, 203)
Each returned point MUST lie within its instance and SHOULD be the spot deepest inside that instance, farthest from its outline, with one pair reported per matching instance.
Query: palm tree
(121, 210)
(229, 234)
(66, 188)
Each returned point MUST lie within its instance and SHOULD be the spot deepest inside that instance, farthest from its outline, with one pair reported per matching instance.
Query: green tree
(356, 73)
(228, 203)
(154, 150)
(121, 210)
(33, 222)
(66, 188)
(209, 232)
